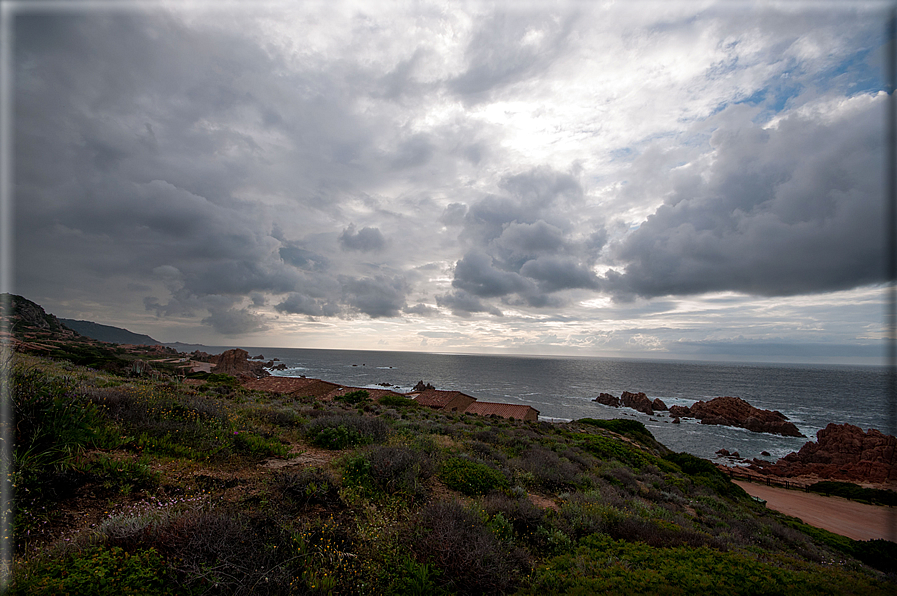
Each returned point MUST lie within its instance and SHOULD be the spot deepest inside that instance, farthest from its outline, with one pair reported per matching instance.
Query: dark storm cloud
(463, 304)
(555, 273)
(421, 310)
(233, 322)
(302, 304)
(302, 258)
(476, 274)
(523, 244)
(364, 240)
(787, 210)
(376, 297)
(134, 134)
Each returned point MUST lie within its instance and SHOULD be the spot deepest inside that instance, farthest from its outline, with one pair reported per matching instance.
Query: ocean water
(563, 388)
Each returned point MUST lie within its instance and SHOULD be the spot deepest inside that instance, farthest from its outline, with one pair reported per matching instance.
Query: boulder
(734, 411)
(658, 405)
(236, 362)
(637, 401)
(680, 412)
(843, 452)
(420, 386)
(608, 400)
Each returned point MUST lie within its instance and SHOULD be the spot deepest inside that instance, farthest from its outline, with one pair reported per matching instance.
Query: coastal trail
(835, 514)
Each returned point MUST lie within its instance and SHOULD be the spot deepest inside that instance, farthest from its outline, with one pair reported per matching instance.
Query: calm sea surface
(811, 396)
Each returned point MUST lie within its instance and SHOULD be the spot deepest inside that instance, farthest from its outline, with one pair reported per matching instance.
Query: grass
(165, 488)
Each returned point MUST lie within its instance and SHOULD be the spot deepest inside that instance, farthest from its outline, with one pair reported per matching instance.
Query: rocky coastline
(841, 452)
(726, 411)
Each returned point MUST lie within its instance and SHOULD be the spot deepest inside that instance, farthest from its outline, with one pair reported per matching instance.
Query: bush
(98, 571)
(470, 477)
(848, 490)
(400, 471)
(52, 422)
(608, 448)
(253, 444)
(353, 397)
(397, 401)
(549, 471)
(308, 486)
(630, 428)
(705, 473)
(339, 432)
(220, 550)
(471, 558)
(601, 565)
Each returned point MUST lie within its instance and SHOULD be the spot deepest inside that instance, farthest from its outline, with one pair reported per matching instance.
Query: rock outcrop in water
(637, 401)
(608, 400)
(734, 411)
(841, 452)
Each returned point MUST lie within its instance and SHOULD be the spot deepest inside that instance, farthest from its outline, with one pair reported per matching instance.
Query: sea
(563, 389)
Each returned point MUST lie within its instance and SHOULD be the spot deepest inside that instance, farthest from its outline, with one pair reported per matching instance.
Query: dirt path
(847, 518)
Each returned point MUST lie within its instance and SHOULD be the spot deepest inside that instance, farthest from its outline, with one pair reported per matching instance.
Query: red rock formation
(658, 405)
(680, 412)
(637, 401)
(734, 411)
(842, 452)
(236, 362)
(608, 400)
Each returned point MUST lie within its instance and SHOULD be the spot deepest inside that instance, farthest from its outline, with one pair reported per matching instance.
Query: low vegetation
(135, 486)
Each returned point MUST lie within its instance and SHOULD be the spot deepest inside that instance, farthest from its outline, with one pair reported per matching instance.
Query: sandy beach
(835, 514)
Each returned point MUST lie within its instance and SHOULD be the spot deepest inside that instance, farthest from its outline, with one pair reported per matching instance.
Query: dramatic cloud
(791, 208)
(486, 177)
(364, 240)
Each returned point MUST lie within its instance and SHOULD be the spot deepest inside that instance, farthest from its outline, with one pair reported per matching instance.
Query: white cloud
(331, 166)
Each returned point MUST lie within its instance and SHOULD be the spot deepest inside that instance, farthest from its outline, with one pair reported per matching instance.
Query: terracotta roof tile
(516, 411)
(435, 398)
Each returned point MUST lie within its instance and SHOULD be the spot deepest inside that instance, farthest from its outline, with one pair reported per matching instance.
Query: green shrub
(339, 432)
(609, 448)
(52, 423)
(98, 571)
(400, 471)
(705, 473)
(338, 437)
(353, 397)
(308, 486)
(253, 444)
(601, 565)
(848, 490)
(878, 554)
(126, 473)
(469, 556)
(630, 428)
(397, 401)
(470, 477)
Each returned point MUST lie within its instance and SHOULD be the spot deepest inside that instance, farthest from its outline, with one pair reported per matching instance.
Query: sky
(695, 180)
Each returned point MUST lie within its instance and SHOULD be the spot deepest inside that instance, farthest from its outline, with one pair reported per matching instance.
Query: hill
(34, 331)
(108, 333)
(208, 487)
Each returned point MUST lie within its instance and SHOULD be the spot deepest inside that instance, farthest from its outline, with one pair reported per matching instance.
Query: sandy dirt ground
(847, 518)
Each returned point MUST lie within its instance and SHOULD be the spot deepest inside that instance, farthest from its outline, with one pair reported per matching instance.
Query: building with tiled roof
(509, 411)
(450, 401)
